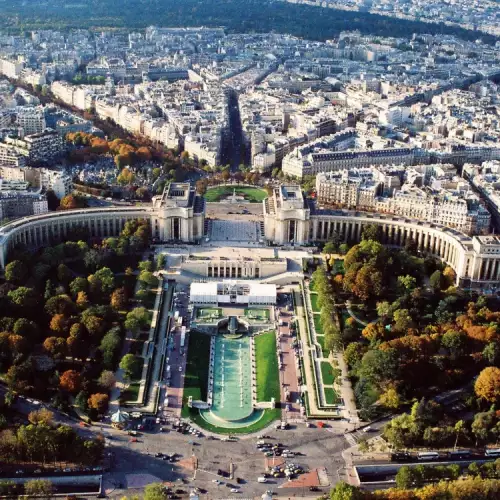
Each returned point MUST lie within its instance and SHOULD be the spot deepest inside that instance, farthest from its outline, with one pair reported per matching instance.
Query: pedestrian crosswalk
(350, 439)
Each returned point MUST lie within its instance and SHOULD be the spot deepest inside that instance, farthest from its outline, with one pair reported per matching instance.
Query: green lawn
(268, 383)
(328, 373)
(317, 324)
(331, 396)
(321, 342)
(314, 302)
(268, 417)
(138, 369)
(131, 393)
(254, 195)
(196, 379)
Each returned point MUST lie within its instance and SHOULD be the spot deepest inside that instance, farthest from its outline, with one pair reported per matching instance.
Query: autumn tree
(70, 202)
(56, 346)
(82, 300)
(107, 380)
(126, 177)
(38, 488)
(59, 324)
(487, 385)
(119, 299)
(70, 381)
(99, 402)
(41, 416)
(374, 332)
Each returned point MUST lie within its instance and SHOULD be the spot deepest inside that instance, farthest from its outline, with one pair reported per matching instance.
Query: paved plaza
(245, 231)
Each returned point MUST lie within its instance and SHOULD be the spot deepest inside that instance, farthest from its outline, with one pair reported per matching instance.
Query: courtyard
(250, 194)
(243, 231)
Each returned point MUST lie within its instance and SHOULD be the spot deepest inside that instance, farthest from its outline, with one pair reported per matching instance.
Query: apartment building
(44, 146)
(378, 190)
(14, 205)
(11, 156)
(316, 162)
(31, 120)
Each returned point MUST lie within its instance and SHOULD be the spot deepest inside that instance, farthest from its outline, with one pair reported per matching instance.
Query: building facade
(291, 219)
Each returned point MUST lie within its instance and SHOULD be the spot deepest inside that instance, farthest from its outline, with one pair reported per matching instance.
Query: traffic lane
(25, 407)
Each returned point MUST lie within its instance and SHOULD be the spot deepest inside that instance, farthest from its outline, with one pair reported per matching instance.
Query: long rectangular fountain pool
(232, 387)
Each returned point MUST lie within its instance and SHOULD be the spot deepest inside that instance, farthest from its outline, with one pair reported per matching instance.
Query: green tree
(16, 272)
(64, 274)
(41, 488)
(343, 249)
(454, 342)
(402, 320)
(60, 304)
(137, 318)
(92, 259)
(353, 354)
(379, 366)
(482, 425)
(148, 279)
(145, 265)
(79, 284)
(436, 280)
(26, 328)
(102, 281)
(130, 364)
(161, 260)
(491, 353)
(126, 176)
(383, 309)
(155, 491)
(49, 290)
(401, 431)
(24, 298)
(459, 429)
(407, 283)
(330, 248)
(344, 491)
(371, 232)
(405, 477)
(109, 346)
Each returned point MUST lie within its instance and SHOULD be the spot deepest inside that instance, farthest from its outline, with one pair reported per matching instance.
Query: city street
(317, 447)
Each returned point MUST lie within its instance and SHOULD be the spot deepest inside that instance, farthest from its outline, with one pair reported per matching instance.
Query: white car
(234, 490)
(180, 368)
